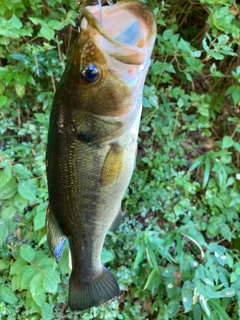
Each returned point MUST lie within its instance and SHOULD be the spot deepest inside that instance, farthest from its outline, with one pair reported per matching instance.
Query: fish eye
(90, 73)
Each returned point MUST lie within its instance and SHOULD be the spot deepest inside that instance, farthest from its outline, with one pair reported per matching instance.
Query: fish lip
(135, 55)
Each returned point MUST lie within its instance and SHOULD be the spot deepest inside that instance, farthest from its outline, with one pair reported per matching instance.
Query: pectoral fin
(112, 165)
(56, 238)
(97, 129)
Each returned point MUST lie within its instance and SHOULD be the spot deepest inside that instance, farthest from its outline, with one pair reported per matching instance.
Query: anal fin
(56, 238)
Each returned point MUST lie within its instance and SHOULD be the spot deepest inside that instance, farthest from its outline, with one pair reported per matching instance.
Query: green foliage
(176, 254)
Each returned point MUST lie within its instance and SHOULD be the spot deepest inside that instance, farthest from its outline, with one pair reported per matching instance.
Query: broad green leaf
(178, 209)
(187, 295)
(168, 272)
(20, 202)
(3, 265)
(184, 45)
(18, 266)
(36, 285)
(227, 142)
(26, 190)
(197, 312)
(39, 220)
(47, 311)
(27, 275)
(228, 293)
(65, 263)
(9, 189)
(8, 212)
(54, 24)
(16, 22)
(5, 175)
(236, 97)
(21, 172)
(38, 21)
(27, 252)
(3, 100)
(20, 89)
(51, 272)
(171, 286)
(47, 33)
(7, 295)
(39, 298)
(173, 308)
(106, 256)
(49, 283)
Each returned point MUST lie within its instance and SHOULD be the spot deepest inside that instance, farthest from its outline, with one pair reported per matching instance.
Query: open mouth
(126, 31)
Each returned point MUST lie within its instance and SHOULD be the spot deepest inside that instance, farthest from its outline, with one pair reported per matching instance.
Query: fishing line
(100, 7)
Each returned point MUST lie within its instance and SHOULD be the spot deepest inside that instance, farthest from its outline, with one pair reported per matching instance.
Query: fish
(92, 141)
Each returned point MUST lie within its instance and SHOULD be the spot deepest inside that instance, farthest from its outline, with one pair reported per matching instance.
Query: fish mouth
(125, 31)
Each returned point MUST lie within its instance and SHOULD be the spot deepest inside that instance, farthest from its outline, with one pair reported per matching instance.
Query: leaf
(184, 45)
(154, 274)
(204, 305)
(197, 162)
(8, 212)
(227, 142)
(5, 175)
(38, 21)
(171, 286)
(106, 256)
(20, 202)
(219, 310)
(39, 220)
(206, 171)
(9, 189)
(47, 33)
(18, 266)
(139, 256)
(168, 272)
(16, 22)
(20, 89)
(47, 311)
(49, 283)
(151, 257)
(173, 308)
(180, 249)
(27, 252)
(3, 100)
(21, 172)
(26, 190)
(27, 275)
(187, 295)
(65, 262)
(7, 295)
(37, 289)
(197, 312)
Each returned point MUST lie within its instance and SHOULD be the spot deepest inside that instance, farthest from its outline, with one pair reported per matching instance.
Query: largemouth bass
(92, 141)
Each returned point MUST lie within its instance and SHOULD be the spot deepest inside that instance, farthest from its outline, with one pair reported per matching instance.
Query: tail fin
(100, 291)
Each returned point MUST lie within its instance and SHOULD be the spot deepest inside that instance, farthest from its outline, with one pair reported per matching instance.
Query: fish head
(108, 64)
